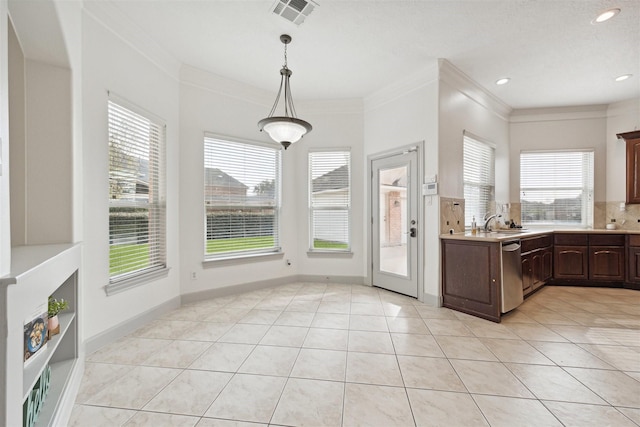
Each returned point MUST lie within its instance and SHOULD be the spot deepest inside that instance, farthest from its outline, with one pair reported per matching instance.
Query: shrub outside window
(137, 229)
(241, 198)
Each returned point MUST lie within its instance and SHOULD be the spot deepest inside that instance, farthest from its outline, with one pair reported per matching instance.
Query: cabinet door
(547, 264)
(527, 275)
(606, 263)
(472, 277)
(633, 170)
(633, 265)
(536, 266)
(570, 262)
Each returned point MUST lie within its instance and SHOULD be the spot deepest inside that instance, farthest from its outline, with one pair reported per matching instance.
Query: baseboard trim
(270, 283)
(236, 289)
(346, 280)
(432, 300)
(125, 328)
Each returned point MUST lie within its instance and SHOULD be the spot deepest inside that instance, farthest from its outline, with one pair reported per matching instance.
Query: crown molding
(408, 84)
(110, 17)
(630, 106)
(451, 75)
(585, 112)
(210, 82)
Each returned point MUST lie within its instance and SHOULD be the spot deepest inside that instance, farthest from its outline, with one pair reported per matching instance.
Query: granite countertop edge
(509, 234)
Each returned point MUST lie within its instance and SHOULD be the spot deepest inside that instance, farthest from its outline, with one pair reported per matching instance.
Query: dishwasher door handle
(511, 247)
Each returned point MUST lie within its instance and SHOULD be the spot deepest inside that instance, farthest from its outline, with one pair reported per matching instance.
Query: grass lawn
(126, 258)
(327, 244)
(239, 244)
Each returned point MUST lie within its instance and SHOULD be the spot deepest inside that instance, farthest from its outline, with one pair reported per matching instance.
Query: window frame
(312, 209)
(248, 253)
(491, 187)
(587, 203)
(130, 279)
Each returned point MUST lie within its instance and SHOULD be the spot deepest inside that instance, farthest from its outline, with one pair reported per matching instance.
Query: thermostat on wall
(430, 189)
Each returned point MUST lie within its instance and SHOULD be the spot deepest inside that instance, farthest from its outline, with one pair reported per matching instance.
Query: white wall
(17, 134)
(463, 105)
(212, 104)
(111, 64)
(560, 129)
(621, 117)
(5, 222)
(337, 124)
(396, 116)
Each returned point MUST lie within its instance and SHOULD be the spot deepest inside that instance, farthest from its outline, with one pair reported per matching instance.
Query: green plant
(56, 306)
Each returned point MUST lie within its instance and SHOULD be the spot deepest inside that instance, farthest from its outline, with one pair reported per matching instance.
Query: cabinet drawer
(606, 239)
(534, 243)
(571, 239)
(634, 239)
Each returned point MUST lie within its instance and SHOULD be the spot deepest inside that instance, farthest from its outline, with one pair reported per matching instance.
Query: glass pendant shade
(286, 129)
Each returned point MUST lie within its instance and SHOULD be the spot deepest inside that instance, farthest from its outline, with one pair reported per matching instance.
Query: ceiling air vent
(294, 10)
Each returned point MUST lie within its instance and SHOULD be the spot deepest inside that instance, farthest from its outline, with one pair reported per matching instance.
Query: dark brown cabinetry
(570, 257)
(471, 277)
(633, 165)
(606, 257)
(633, 261)
(537, 260)
(585, 259)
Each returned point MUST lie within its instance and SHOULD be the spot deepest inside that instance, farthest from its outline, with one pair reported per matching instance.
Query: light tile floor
(312, 354)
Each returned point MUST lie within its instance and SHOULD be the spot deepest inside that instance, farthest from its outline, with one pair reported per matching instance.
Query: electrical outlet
(194, 275)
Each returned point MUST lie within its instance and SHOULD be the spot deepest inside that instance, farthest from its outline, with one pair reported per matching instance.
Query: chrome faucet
(488, 220)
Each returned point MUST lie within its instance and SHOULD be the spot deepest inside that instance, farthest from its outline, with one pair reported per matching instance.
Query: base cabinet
(633, 262)
(571, 262)
(606, 263)
(537, 261)
(471, 277)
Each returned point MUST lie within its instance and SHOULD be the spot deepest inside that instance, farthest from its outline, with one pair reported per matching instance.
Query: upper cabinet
(633, 165)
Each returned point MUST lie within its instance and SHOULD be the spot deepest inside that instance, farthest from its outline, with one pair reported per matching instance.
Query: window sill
(136, 280)
(330, 254)
(241, 259)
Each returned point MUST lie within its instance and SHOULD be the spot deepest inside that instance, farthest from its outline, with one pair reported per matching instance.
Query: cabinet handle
(602, 252)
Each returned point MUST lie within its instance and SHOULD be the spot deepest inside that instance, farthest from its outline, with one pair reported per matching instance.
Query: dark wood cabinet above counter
(632, 140)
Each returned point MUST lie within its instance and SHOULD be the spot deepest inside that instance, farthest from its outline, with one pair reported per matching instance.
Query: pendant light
(285, 129)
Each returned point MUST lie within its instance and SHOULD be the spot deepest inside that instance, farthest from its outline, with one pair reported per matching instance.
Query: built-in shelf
(36, 273)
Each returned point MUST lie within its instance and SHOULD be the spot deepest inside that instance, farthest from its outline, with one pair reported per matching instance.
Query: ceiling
(350, 49)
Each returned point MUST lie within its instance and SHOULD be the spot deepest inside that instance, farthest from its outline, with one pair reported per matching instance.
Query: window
(241, 198)
(136, 194)
(556, 187)
(329, 200)
(479, 178)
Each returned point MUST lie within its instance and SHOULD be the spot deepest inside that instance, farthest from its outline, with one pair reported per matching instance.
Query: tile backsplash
(452, 214)
(624, 220)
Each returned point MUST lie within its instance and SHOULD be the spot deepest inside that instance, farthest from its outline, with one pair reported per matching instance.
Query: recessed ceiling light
(605, 16)
(503, 81)
(623, 77)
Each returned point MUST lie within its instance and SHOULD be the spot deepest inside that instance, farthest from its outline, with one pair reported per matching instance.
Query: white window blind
(241, 197)
(136, 193)
(330, 200)
(479, 178)
(556, 187)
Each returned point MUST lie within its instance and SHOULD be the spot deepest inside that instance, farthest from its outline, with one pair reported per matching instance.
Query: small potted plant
(55, 307)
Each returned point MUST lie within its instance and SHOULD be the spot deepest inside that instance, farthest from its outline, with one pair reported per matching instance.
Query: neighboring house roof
(335, 180)
(216, 177)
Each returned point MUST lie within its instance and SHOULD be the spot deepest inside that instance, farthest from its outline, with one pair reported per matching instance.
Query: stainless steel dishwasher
(511, 290)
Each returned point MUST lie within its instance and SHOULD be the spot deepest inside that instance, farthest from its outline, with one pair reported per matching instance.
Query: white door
(395, 228)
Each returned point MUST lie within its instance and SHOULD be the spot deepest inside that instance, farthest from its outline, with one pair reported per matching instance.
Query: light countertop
(515, 233)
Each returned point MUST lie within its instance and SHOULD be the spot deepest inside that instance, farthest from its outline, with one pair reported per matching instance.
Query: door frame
(419, 147)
